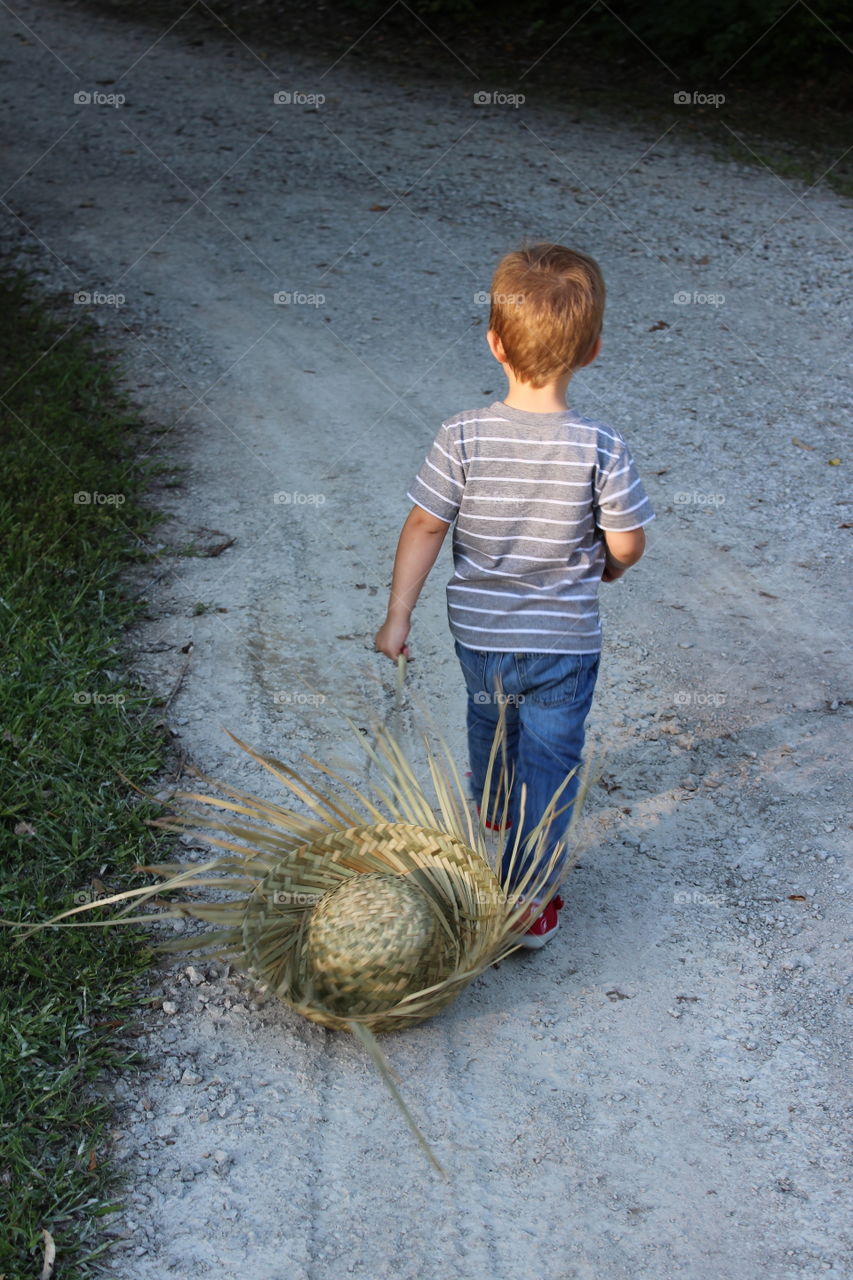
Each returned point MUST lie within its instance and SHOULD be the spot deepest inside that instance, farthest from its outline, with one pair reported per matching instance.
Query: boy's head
(547, 308)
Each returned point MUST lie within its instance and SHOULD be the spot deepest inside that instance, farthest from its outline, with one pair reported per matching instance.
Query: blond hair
(547, 305)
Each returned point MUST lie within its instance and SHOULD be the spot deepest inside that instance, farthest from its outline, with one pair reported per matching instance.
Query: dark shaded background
(801, 50)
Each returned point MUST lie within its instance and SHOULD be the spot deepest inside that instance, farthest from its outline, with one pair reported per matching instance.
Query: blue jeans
(547, 697)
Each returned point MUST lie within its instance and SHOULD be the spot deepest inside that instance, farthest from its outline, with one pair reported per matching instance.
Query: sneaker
(545, 927)
(495, 826)
(491, 826)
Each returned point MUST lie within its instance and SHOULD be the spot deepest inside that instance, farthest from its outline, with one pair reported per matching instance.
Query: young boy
(547, 504)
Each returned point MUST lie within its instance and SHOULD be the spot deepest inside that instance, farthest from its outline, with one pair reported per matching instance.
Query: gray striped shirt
(529, 493)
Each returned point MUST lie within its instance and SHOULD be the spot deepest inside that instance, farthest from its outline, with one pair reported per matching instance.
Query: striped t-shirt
(530, 493)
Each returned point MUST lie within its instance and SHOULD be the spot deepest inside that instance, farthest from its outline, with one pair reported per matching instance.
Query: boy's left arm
(420, 541)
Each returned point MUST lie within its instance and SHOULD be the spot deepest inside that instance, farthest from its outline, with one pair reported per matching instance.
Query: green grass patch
(71, 523)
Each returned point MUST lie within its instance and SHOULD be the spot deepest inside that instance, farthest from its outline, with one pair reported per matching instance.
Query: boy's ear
(496, 346)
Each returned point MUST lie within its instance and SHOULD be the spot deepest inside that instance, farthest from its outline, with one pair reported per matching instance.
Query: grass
(71, 717)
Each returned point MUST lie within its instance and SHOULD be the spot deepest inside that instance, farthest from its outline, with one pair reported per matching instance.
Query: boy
(546, 505)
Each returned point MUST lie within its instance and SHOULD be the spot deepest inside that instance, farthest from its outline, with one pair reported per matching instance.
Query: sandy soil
(658, 1093)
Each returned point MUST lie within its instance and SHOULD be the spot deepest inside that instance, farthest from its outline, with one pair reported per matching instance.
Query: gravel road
(659, 1093)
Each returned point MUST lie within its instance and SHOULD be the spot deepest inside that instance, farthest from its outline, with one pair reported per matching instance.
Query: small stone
(194, 976)
(169, 1007)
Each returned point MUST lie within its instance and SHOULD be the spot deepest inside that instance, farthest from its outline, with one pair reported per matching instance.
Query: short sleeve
(620, 499)
(440, 483)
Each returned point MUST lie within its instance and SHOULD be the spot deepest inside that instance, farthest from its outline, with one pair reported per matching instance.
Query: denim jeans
(547, 697)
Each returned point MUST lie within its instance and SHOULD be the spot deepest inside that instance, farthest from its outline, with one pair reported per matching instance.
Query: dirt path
(657, 1094)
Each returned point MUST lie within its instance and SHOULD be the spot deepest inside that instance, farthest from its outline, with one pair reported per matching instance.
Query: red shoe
(495, 826)
(491, 826)
(545, 927)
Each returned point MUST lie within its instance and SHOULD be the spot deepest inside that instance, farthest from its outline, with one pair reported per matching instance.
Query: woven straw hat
(408, 912)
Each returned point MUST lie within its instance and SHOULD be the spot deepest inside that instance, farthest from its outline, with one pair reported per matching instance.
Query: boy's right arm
(623, 547)
(420, 541)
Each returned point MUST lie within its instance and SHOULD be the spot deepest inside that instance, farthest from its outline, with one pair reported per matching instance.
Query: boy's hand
(391, 638)
(622, 549)
(611, 574)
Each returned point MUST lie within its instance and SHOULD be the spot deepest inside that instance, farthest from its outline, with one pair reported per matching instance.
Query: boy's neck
(548, 399)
